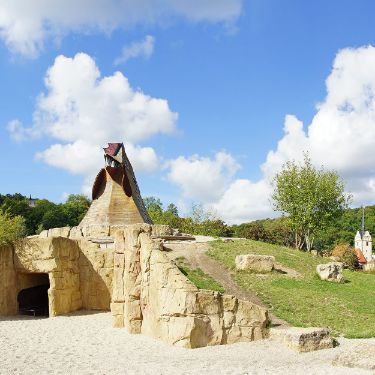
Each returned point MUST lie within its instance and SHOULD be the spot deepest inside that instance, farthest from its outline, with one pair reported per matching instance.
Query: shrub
(346, 254)
(275, 231)
(11, 228)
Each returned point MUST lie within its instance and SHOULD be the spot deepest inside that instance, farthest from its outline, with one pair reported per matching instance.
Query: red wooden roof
(360, 256)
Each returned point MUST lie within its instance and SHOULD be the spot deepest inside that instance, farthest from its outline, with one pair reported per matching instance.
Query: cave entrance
(33, 299)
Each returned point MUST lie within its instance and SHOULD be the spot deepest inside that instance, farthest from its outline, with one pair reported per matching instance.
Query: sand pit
(85, 343)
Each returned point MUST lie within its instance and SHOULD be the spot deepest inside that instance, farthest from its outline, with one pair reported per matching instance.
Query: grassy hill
(347, 309)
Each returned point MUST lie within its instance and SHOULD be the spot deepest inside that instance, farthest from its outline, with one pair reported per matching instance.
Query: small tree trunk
(298, 240)
(309, 240)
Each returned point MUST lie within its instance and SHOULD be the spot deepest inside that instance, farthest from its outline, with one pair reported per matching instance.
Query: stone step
(303, 339)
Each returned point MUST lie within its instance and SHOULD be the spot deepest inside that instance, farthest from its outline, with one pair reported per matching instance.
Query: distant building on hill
(32, 202)
(363, 243)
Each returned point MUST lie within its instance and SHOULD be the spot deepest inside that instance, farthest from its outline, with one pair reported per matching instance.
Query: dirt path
(195, 254)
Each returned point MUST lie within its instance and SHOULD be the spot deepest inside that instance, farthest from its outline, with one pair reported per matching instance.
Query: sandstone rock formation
(255, 262)
(129, 266)
(152, 296)
(57, 257)
(303, 339)
(331, 272)
(8, 282)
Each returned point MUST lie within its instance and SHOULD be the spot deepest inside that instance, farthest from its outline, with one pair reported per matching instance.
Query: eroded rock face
(303, 339)
(57, 257)
(255, 262)
(8, 282)
(152, 296)
(331, 272)
(96, 274)
(149, 294)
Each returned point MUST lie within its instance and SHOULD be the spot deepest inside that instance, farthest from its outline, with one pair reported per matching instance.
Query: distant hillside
(342, 230)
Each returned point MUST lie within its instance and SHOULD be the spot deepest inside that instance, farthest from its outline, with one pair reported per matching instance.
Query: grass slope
(347, 309)
(200, 279)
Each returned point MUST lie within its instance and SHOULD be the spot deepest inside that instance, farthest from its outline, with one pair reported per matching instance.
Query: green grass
(347, 309)
(200, 279)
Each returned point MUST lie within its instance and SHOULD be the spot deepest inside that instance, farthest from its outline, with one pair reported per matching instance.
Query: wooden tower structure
(116, 199)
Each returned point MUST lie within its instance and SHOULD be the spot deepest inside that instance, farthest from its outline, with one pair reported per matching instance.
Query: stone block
(95, 230)
(59, 232)
(159, 230)
(118, 321)
(229, 302)
(75, 232)
(255, 262)
(331, 272)
(43, 233)
(207, 303)
(303, 339)
(117, 308)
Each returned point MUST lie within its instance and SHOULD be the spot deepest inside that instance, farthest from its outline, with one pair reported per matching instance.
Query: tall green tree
(311, 198)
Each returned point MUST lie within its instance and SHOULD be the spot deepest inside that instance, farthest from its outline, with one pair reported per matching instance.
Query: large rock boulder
(303, 339)
(331, 272)
(255, 262)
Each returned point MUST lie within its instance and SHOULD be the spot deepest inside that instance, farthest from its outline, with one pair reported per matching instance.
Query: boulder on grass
(255, 262)
(303, 339)
(331, 272)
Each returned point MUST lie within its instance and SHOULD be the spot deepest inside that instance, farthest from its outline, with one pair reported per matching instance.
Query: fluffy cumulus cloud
(202, 177)
(341, 136)
(144, 49)
(82, 111)
(26, 25)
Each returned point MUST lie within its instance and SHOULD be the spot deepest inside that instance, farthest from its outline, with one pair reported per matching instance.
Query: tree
(54, 218)
(152, 202)
(75, 208)
(11, 228)
(310, 198)
(172, 209)
(200, 214)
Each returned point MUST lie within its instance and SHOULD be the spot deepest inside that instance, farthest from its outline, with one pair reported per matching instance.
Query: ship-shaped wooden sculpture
(116, 199)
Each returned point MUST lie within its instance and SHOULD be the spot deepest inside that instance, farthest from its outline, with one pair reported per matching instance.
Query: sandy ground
(85, 343)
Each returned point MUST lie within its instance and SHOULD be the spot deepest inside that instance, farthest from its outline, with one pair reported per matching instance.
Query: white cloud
(80, 105)
(83, 111)
(202, 178)
(26, 25)
(144, 48)
(245, 200)
(341, 136)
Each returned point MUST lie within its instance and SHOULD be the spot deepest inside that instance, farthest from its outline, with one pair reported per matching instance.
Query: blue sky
(229, 72)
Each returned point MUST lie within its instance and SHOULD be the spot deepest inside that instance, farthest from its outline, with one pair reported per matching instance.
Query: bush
(346, 254)
(275, 231)
(11, 228)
